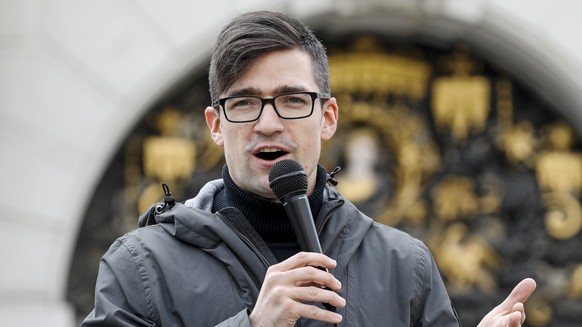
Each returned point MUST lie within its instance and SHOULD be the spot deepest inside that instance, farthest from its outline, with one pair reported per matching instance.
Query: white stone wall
(76, 74)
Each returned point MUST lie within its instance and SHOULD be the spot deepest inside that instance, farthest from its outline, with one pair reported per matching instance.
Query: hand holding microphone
(288, 181)
(290, 285)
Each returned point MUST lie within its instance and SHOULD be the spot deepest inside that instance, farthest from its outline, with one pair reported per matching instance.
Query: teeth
(270, 150)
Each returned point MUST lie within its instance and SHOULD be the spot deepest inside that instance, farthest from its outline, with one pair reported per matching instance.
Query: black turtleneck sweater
(268, 218)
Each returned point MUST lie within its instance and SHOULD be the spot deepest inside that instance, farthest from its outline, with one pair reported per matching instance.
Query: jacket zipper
(246, 241)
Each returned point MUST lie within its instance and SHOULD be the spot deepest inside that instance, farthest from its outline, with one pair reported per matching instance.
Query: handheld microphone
(288, 181)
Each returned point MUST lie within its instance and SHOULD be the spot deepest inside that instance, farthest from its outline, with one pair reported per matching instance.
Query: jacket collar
(341, 228)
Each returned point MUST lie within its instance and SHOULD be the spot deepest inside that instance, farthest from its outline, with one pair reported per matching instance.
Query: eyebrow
(257, 92)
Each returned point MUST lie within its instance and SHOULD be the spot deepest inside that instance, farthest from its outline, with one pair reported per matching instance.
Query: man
(229, 256)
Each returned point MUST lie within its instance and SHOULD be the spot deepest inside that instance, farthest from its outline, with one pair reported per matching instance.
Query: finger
(514, 319)
(518, 307)
(303, 259)
(520, 293)
(305, 276)
(317, 294)
(310, 311)
(300, 277)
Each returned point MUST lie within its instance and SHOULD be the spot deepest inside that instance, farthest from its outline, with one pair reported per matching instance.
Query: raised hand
(511, 312)
(291, 283)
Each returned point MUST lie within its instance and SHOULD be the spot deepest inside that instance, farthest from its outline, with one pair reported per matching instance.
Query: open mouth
(270, 153)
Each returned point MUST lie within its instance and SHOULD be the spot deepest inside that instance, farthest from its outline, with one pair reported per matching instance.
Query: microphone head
(286, 178)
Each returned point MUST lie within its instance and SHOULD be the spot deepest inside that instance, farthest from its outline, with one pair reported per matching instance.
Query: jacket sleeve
(434, 307)
(120, 295)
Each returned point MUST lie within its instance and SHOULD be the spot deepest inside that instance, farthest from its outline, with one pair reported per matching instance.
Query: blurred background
(460, 123)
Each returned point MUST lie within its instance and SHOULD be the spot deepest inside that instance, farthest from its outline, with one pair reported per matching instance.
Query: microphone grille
(287, 177)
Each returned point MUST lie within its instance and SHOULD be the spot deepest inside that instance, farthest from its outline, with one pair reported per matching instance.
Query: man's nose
(269, 122)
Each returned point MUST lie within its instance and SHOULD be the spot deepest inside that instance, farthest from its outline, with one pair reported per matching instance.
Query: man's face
(246, 144)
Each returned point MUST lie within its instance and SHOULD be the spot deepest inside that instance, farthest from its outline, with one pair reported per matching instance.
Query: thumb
(519, 294)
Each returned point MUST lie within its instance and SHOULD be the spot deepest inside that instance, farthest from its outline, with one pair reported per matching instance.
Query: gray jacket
(195, 268)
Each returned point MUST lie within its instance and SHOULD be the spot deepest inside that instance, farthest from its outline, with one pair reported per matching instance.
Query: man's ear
(212, 116)
(329, 120)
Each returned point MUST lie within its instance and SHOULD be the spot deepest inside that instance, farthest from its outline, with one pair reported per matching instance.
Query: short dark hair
(254, 34)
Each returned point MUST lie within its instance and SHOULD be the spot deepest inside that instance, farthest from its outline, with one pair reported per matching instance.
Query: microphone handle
(299, 213)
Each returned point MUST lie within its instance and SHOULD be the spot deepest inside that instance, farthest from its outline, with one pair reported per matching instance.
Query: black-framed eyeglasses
(248, 108)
